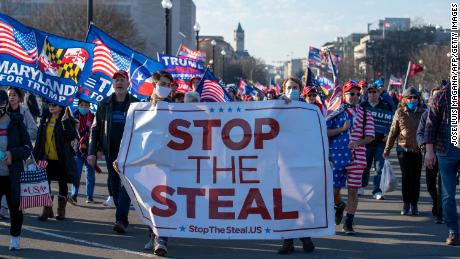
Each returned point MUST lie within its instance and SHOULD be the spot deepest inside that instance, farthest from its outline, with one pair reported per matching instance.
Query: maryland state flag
(65, 58)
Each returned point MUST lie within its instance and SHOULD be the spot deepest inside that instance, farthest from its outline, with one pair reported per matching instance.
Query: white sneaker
(161, 248)
(378, 196)
(15, 243)
(150, 243)
(108, 202)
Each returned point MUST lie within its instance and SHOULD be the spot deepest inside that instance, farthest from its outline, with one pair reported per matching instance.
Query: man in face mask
(163, 88)
(106, 132)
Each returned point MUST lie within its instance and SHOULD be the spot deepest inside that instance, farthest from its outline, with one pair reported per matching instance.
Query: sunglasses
(412, 97)
(312, 95)
(353, 94)
(372, 92)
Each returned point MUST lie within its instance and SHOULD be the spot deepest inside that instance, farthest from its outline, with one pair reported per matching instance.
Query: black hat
(3, 98)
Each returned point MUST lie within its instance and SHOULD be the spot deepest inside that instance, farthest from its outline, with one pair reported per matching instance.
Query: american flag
(334, 102)
(210, 90)
(241, 86)
(108, 61)
(22, 46)
(35, 190)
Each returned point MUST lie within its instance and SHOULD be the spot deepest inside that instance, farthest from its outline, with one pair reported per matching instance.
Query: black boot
(307, 244)
(287, 247)
(414, 210)
(339, 208)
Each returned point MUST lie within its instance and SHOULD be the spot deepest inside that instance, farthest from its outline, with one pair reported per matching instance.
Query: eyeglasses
(353, 94)
(312, 95)
(412, 97)
(372, 92)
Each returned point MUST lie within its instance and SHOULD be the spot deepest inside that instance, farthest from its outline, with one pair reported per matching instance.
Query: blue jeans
(374, 154)
(448, 167)
(120, 196)
(90, 177)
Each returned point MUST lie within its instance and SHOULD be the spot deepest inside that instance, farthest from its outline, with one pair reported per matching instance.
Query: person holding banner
(383, 115)
(404, 130)
(15, 146)
(292, 88)
(55, 134)
(162, 92)
(350, 129)
(106, 133)
(15, 97)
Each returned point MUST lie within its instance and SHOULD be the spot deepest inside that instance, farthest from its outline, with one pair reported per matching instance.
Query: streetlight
(268, 76)
(197, 28)
(223, 53)
(167, 5)
(213, 43)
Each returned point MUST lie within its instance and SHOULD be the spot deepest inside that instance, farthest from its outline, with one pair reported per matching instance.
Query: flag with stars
(110, 55)
(35, 190)
(17, 40)
(210, 90)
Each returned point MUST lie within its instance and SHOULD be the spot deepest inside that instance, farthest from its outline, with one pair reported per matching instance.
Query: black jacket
(421, 130)
(20, 147)
(100, 131)
(64, 133)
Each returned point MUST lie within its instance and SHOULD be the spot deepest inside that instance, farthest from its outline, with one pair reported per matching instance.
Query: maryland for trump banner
(44, 64)
(233, 170)
(110, 55)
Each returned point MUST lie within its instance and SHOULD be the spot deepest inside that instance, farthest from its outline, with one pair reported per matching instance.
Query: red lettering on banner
(215, 169)
(215, 204)
(247, 134)
(207, 126)
(278, 207)
(254, 195)
(250, 169)
(198, 166)
(185, 136)
(156, 196)
(259, 136)
(191, 194)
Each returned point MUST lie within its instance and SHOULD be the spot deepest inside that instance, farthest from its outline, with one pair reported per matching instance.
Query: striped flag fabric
(210, 90)
(22, 46)
(108, 61)
(241, 86)
(35, 190)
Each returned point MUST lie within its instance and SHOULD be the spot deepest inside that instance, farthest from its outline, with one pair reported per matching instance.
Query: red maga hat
(120, 73)
(350, 84)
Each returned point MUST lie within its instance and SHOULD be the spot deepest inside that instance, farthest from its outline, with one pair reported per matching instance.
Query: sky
(276, 30)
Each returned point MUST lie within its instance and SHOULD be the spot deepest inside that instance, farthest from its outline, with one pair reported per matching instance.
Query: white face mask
(162, 91)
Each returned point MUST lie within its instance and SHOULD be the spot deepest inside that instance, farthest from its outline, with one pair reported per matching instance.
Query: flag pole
(407, 75)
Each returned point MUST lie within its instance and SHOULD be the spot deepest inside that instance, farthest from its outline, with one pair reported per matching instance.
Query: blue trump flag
(210, 90)
(110, 55)
(44, 64)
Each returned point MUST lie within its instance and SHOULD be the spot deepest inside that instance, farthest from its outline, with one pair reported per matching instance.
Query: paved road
(87, 233)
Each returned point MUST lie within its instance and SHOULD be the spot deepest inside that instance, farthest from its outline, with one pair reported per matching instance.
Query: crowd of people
(67, 142)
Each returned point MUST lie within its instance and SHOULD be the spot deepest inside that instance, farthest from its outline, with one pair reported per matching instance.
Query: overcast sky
(276, 29)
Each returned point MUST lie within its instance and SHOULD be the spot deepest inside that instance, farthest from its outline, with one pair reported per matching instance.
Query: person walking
(404, 130)
(15, 146)
(55, 134)
(106, 133)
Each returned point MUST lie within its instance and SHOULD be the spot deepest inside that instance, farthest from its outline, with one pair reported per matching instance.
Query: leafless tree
(68, 19)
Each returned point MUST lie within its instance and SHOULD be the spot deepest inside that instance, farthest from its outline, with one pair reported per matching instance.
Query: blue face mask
(412, 105)
(293, 94)
(83, 111)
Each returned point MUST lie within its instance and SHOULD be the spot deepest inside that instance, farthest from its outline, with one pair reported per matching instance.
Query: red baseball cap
(350, 84)
(362, 83)
(120, 73)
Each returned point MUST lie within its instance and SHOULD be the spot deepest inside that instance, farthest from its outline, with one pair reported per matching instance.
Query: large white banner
(239, 170)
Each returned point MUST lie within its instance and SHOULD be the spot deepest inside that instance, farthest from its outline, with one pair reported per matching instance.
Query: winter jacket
(404, 129)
